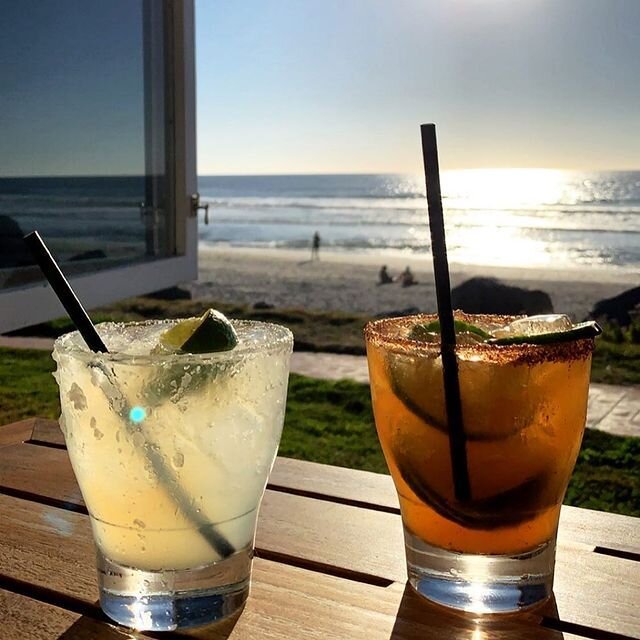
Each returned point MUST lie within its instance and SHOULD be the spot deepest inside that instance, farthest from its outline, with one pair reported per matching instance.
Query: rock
(397, 313)
(13, 252)
(262, 305)
(93, 254)
(171, 293)
(489, 295)
(619, 309)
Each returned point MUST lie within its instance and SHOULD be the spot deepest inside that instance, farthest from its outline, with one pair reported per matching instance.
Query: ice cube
(535, 326)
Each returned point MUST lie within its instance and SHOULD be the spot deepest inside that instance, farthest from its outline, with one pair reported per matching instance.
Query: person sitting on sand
(406, 278)
(384, 277)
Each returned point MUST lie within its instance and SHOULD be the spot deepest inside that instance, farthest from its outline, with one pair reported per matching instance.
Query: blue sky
(313, 86)
(71, 103)
(330, 86)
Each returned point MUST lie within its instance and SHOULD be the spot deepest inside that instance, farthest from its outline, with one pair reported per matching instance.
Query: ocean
(507, 217)
(503, 217)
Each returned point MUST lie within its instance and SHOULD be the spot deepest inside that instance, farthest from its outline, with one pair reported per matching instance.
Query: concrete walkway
(612, 408)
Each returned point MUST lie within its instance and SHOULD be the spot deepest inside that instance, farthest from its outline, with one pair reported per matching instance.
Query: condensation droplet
(77, 397)
(178, 459)
(137, 439)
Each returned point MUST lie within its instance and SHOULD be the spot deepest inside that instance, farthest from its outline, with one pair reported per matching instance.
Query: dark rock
(489, 295)
(619, 309)
(397, 313)
(262, 305)
(93, 254)
(13, 252)
(171, 293)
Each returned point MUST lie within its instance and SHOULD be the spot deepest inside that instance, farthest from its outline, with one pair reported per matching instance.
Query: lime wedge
(426, 330)
(209, 333)
(577, 332)
(492, 403)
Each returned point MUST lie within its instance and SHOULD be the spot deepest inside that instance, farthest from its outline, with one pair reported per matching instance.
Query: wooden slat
(369, 543)
(47, 431)
(22, 468)
(286, 602)
(349, 485)
(353, 486)
(22, 618)
(600, 529)
(42, 471)
(17, 432)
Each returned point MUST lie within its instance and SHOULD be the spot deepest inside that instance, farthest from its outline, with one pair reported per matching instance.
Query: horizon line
(311, 174)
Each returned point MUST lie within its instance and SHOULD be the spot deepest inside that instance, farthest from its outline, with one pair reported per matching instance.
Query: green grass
(331, 422)
(616, 363)
(27, 387)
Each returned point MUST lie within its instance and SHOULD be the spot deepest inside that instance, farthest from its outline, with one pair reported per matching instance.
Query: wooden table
(330, 561)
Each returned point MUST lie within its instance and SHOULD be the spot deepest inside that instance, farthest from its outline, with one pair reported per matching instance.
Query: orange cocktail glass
(524, 409)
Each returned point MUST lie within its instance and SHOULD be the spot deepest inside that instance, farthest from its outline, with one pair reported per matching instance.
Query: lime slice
(492, 403)
(209, 333)
(577, 332)
(427, 330)
(512, 505)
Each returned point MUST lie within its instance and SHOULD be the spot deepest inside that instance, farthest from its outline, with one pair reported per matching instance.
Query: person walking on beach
(315, 246)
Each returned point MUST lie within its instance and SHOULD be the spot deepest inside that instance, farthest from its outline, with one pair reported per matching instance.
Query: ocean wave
(614, 207)
(539, 224)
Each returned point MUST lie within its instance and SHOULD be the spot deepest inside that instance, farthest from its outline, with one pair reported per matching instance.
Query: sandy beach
(347, 281)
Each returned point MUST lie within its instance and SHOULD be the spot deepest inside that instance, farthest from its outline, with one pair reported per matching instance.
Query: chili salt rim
(378, 333)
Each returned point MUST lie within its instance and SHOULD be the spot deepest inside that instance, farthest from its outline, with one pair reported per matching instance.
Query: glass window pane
(83, 144)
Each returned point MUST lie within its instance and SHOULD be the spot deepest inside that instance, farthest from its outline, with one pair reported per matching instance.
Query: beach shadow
(417, 618)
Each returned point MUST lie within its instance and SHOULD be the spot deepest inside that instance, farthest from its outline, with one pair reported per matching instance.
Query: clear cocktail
(524, 409)
(172, 452)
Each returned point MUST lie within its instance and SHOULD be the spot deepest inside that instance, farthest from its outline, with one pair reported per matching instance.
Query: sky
(71, 102)
(341, 86)
(329, 86)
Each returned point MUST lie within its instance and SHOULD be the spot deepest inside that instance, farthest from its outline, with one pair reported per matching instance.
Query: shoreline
(423, 262)
(347, 282)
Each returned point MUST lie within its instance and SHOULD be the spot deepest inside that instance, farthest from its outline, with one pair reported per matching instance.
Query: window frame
(32, 304)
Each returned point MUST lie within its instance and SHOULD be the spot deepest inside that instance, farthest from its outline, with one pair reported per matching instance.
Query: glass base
(480, 583)
(174, 599)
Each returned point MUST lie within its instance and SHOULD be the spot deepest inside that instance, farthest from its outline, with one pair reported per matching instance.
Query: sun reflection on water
(506, 188)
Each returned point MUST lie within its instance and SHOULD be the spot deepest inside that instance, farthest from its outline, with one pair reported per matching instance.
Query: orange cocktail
(524, 409)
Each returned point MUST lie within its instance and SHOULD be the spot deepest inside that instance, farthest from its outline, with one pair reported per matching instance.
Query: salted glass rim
(384, 334)
(277, 339)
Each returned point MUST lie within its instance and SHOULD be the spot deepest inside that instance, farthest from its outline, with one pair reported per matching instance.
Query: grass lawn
(331, 422)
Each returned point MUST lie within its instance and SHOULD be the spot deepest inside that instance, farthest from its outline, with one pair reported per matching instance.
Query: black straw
(457, 446)
(64, 291)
